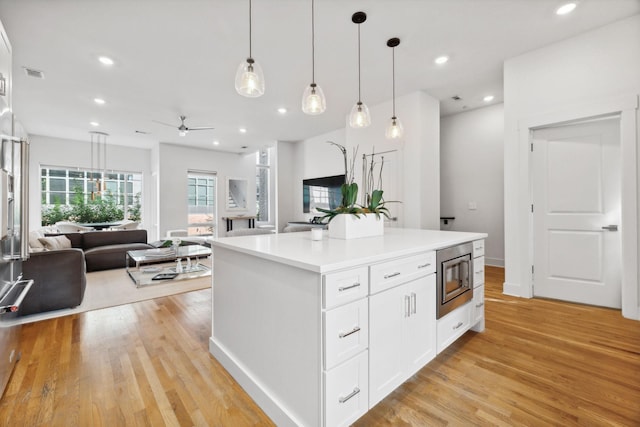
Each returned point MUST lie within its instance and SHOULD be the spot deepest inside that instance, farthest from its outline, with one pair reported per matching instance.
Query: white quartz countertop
(326, 255)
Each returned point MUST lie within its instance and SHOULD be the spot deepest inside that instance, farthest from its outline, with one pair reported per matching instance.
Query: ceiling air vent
(34, 73)
(456, 98)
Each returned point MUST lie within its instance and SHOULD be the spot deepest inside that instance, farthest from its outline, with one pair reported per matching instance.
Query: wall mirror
(236, 194)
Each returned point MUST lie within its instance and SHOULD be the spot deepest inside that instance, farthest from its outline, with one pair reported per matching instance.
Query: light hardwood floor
(539, 362)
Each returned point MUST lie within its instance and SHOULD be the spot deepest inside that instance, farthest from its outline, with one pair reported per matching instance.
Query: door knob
(610, 227)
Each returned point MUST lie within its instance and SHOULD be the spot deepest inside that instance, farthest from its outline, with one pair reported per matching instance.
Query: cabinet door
(388, 311)
(420, 345)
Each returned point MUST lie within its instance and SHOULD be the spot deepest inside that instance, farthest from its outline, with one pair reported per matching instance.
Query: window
(263, 174)
(74, 194)
(201, 214)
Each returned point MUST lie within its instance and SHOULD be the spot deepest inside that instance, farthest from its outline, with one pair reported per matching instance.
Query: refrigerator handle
(24, 199)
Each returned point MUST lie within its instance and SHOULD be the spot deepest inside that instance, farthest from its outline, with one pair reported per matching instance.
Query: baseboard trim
(252, 386)
(495, 262)
(512, 289)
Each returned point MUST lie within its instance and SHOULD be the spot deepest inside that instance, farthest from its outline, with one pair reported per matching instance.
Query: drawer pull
(345, 288)
(353, 331)
(479, 247)
(480, 271)
(389, 276)
(480, 304)
(413, 303)
(458, 326)
(349, 396)
(425, 265)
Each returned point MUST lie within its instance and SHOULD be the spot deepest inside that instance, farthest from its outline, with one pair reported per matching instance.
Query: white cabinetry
(402, 323)
(477, 311)
(345, 331)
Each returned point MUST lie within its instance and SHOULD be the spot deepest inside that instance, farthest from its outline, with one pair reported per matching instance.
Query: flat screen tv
(321, 193)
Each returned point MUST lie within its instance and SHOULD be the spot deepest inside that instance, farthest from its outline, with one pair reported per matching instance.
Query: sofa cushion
(76, 238)
(34, 242)
(93, 239)
(110, 256)
(55, 242)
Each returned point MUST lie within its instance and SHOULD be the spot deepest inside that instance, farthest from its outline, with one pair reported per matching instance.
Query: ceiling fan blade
(202, 128)
(163, 123)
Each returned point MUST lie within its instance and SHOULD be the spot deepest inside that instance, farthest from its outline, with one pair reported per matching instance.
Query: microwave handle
(466, 274)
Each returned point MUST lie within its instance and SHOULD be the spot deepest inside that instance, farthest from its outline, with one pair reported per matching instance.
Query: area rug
(114, 287)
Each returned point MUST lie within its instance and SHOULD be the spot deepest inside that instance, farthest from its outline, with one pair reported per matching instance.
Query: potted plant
(351, 220)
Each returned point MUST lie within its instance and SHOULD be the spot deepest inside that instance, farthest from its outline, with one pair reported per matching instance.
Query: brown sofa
(104, 250)
(59, 275)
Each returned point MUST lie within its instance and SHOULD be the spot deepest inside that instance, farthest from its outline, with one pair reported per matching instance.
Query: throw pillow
(34, 242)
(55, 242)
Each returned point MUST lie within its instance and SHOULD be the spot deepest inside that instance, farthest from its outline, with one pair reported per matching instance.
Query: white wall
(50, 151)
(417, 163)
(597, 65)
(471, 171)
(175, 162)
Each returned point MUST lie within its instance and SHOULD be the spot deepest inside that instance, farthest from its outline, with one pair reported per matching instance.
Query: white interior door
(576, 212)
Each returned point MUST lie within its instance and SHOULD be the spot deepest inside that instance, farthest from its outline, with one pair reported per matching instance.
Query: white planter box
(347, 226)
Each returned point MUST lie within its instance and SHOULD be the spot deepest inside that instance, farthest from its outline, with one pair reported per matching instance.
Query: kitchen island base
(293, 327)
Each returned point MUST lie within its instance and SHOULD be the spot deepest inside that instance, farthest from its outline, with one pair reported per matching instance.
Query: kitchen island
(317, 332)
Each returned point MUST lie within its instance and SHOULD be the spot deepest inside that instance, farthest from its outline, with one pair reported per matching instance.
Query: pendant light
(313, 100)
(359, 117)
(249, 77)
(394, 128)
(99, 153)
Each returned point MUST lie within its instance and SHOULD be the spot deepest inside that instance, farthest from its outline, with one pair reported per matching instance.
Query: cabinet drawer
(478, 248)
(344, 286)
(478, 271)
(478, 305)
(346, 332)
(453, 325)
(346, 391)
(389, 274)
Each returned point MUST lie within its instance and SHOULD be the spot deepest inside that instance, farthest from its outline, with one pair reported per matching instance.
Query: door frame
(626, 107)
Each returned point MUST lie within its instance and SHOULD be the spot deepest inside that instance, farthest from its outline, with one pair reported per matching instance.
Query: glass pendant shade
(394, 129)
(249, 79)
(313, 100)
(359, 117)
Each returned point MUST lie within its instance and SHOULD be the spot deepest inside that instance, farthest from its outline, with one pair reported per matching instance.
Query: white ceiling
(179, 57)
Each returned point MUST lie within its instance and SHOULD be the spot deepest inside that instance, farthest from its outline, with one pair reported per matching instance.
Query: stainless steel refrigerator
(14, 173)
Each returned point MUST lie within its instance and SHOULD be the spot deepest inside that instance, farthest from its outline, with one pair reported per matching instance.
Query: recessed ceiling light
(282, 110)
(565, 8)
(488, 98)
(242, 130)
(94, 123)
(105, 60)
(441, 59)
(216, 142)
(99, 101)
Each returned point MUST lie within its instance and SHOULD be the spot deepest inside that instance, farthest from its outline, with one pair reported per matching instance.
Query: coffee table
(150, 262)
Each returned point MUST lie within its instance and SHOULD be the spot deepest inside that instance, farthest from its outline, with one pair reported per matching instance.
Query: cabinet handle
(407, 306)
(480, 247)
(344, 288)
(353, 331)
(458, 326)
(480, 304)
(349, 396)
(413, 302)
(480, 271)
(424, 265)
(389, 276)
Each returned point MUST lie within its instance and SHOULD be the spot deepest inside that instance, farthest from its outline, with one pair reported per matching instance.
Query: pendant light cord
(359, 100)
(393, 79)
(313, 43)
(250, 29)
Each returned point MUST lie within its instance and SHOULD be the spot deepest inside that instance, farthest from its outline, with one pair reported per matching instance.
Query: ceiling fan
(183, 129)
